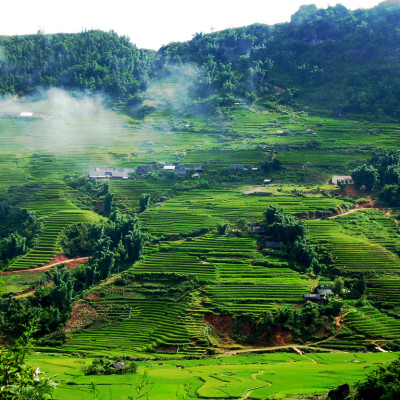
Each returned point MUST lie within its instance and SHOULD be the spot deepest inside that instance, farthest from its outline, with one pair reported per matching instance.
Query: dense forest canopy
(93, 60)
(351, 55)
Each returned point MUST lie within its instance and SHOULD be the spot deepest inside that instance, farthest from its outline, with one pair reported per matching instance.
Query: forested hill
(337, 58)
(93, 60)
(333, 59)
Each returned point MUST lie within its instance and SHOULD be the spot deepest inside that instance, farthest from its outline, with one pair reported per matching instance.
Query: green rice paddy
(258, 376)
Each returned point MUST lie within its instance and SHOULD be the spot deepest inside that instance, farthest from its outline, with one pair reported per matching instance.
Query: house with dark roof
(321, 293)
(144, 169)
(237, 166)
(273, 245)
(111, 173)
(312, 297)
(180, 171)
(197, 168)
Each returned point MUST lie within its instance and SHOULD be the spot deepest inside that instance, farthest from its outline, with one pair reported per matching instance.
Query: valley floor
(281, 375)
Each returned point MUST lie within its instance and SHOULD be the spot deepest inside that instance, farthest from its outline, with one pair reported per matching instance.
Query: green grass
(279, 375)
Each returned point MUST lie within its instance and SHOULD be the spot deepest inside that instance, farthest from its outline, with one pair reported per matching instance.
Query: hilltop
(332, 59)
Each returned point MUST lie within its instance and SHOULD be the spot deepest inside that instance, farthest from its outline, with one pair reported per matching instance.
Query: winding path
(44, 267)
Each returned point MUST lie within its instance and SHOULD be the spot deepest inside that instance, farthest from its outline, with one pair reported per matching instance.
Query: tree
(144, 201)
(381, 384)
(108, 202)
(338, 285)
(365, 175)
(359, 286)
(342, 184)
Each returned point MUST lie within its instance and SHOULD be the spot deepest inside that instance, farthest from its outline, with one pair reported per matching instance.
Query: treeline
(92, 60)
(382, 172)
(302, 323)
(113, 245)
(19, 231)
(293, 234)
(350, 55)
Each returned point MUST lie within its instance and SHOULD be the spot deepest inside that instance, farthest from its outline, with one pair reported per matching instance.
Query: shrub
(104, 366)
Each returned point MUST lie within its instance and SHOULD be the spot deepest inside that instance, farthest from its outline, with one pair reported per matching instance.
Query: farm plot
(211, 245)
(257, 294)
(240, 286)
(384, 289)
(136, 325)
(128, 192)
(283, 375)
(217, 158)
(202, 209)
(321, 158)
(175, 263)
(353, 246)
(372, 323)
(47, 246)
(57, 213)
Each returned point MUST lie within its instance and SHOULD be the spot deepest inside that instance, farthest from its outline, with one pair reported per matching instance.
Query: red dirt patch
(281, 337)
(222, 324)
(58, 258)
(83, 314)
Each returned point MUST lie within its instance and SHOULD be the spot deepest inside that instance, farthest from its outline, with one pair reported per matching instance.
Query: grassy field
(189, 271)
(258, 376)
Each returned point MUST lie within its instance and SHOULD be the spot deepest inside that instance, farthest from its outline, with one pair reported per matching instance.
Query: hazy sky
(150, 23)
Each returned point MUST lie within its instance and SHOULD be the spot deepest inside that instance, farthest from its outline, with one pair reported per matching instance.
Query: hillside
(95, 61)
(147, 219)
(351, 55)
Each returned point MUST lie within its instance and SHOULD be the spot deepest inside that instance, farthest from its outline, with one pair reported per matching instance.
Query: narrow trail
(274, 348)
(45, 267)
(346, 213)
(340, 323)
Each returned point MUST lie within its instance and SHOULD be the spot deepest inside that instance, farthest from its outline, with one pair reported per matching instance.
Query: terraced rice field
(202, 209)
(238, 285)
(384, 289)
(57, 213)
(345, 341)
(128, 192)
(372, 323)
(355, 244)
(143, 325)
(175, 263)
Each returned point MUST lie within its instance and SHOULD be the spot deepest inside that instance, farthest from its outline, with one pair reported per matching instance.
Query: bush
(17, 379)
(104, 366)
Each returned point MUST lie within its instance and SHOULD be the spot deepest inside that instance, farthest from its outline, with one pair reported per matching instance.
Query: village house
(258, 229)
(273, 245)
(348, 179)
(237, 166)
(321, 293)
(144, 169)
(197, 168)
(111, 173)
(180, 171)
